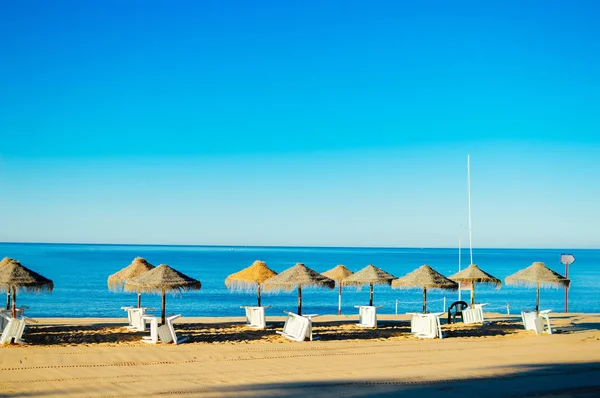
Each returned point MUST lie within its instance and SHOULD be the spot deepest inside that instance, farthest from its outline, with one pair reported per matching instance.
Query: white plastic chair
(166, 332)
(135, 317)
(153, 338)
(298, 327)
(535, 322)
(13, 331)
(473, 314)
(255, 317)
(426, 325)
(367, 316)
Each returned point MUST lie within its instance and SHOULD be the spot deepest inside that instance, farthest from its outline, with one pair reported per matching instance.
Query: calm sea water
(79, 273)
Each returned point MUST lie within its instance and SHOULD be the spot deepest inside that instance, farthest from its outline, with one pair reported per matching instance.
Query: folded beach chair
(166, 332)
(426, 325)
(13, 332)
(298, 327)
(535, 322)
(473, 314)
(255, 317)
(367, 316)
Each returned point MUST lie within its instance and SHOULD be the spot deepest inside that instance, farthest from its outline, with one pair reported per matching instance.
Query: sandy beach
(100, 358)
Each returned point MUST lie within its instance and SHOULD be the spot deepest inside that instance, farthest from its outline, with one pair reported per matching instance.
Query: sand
(100, 358)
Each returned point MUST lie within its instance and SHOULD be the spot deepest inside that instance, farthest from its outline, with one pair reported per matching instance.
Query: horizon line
(288, 246)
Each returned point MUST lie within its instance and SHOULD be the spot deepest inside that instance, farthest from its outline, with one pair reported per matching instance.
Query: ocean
(80, 271)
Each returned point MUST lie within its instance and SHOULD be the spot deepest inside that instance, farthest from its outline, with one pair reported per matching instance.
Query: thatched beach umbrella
(162, 279)
(473, 274)
(14, 275)
(370, 275)
(537, 274)
(250, 278)
(137, 267)
(3, 262)
(338, 274)
(298, 276)
(427, 278)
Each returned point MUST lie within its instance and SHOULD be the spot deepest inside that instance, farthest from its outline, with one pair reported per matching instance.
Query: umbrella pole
(14, 302)
(371, 296)
(424, 300)
(340, 300)
(472, 294)
(537, 300)
(8, 299)
(299, 299)
(139, 300)
(163, 307)
(259, 294)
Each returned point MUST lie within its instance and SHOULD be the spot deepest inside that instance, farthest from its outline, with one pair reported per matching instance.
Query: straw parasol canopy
(473, 274)
(298, 276)
(3, 262)
(162, 279)
(338, 274)
(427, 278)
(250, 278)
(538, 275)
(13, 275)
(137, 267)
(370, 275)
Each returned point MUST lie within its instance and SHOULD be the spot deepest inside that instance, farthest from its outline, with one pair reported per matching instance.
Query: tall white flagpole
(469, 196)
(459, 299)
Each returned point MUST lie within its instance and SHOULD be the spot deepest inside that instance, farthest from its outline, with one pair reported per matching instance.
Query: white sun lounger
(535, 322)
(255, 317)
(166, 332)
(473, 314)
(13, 331)
(367, 316)
(426, 325)
(298, 327)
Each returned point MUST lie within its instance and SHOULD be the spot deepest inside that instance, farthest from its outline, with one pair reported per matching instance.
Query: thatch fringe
(369, 275)
(162, 278)
(537, 273)
(475, 274)
(424, 277)
(299, 274)
(137, 267)
(249, 278)
(13, 273)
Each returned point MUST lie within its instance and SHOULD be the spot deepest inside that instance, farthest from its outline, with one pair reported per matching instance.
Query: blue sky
(269, 123)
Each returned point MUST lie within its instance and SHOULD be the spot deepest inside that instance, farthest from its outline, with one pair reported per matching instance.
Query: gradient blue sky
(320, 123)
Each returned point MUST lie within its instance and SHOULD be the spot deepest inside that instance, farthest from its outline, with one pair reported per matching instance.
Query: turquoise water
(79, 273)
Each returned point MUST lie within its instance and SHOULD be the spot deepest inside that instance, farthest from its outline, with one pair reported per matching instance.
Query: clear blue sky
(318, 123)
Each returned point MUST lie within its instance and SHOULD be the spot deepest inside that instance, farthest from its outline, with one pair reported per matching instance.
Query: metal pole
(424, 300)
(444, 309)
(371, 296)
(396, 307)
(459, 264)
